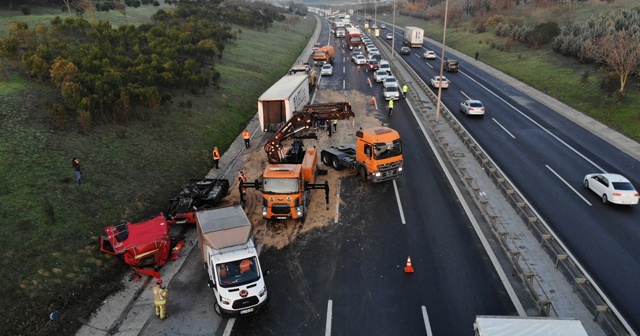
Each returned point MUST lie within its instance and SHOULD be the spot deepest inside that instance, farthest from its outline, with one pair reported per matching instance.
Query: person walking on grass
(75, 164)
(477, 54)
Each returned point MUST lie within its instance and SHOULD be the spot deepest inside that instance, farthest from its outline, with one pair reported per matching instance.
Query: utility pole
(444, 37)
(393, 31)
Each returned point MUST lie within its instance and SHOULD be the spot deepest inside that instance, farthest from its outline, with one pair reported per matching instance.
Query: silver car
(391, 92)
(380, 75)
(326, 70)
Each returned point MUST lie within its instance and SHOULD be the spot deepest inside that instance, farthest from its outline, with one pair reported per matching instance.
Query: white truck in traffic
(530, 326)
(277, 104)
(413, 36)
(231, 260)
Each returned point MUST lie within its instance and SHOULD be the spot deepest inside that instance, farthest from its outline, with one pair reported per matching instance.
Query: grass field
(51, 226)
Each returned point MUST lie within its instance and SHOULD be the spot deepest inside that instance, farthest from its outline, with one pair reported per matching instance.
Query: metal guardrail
(586, 290)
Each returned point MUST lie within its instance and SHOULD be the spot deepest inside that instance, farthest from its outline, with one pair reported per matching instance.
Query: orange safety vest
(246, 134)
(216, 154)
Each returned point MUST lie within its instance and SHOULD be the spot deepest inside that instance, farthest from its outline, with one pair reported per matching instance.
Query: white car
(472, 107)
(389, 36)
(373, 50)
(360, 60)
(429, 54)
(380, 75)
(390, 81)
(612, 188)
(386, 67)
(383, 26)
(326, 70)
(391, 92)
(436, 82)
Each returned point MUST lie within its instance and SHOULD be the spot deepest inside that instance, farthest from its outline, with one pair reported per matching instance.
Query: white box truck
(413, 36)
(231, 260)
(277, 104)
(529, 326)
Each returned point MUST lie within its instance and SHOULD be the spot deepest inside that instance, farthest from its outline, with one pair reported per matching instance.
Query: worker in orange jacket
(242, 178)
(216, 157)
(160, 294)
(247, 137)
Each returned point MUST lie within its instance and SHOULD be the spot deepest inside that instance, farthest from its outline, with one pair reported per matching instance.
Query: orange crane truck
(291, 175)
(377, 155)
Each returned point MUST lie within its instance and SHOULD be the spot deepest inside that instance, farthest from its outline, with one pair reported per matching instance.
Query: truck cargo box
(277, 104)
(529, 326)
(220, 228)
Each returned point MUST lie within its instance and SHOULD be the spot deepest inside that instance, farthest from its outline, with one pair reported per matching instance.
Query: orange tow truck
(290, 175)
(376, 157)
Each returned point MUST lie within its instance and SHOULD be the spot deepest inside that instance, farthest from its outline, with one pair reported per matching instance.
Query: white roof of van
(527, 326)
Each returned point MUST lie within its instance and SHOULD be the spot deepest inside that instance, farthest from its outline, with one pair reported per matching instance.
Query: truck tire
(336, 163)
(326, 159)
(362, 171)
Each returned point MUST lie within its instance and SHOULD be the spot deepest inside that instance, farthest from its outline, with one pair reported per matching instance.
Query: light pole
(393, 31)
(444, 37)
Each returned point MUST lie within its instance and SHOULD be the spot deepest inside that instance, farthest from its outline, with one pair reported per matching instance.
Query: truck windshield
(280, 186)
(318, 54)
(238, 272)
(387, 150)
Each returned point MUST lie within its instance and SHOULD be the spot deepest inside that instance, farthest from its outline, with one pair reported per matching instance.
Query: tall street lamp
(444, 37)
(393, 32)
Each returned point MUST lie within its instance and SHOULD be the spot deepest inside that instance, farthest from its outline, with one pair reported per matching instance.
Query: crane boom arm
(301, 121)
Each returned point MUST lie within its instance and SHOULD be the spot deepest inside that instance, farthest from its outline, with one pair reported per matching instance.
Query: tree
(620, 51)
(122, 8)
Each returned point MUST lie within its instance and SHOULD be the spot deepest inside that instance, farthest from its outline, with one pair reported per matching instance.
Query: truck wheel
(363, 173)
(336, 163)
(326, 159)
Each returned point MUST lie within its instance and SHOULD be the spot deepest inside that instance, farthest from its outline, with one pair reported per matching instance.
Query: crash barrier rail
(590, 294)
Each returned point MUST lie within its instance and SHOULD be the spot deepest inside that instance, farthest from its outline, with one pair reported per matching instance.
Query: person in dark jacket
(75, 164)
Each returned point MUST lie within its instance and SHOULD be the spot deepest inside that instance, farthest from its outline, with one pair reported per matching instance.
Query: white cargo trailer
(278, 103)
(527, 326)
(413, 36)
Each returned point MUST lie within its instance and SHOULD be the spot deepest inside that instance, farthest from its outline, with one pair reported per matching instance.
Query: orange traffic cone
(373, 101)
(368, 82)
(358, 68)
(408, 268)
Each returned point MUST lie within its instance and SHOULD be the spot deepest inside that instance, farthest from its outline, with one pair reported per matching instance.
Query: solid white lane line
(395, 187)
(537, 124)
(327, 327)
(427, 325)
(229, 328)
(464, 94)
(567, 184)
(335, 220)
(503, 128)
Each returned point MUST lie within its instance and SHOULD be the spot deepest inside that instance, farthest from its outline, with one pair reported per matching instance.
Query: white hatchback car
(390, 81)
(612, 188)
(391, 93)
(429, 54)
(326, 70)
(360, 60)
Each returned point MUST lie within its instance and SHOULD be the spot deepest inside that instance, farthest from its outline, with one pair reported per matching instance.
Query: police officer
(160, 294)
(390, 106)
(335, 125)
(405, 88)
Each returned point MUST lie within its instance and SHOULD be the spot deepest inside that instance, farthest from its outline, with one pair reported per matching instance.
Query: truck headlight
(400, 169)
(224, 301)
(263, 291)
(377, 174)
(264, 211)
(299, 211)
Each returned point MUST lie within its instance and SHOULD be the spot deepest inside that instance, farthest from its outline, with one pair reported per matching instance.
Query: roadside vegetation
(132, 166)
(499, 30)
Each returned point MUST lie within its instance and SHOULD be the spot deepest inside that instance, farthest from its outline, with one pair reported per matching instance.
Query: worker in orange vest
(160, 294)
(247, 137)
(242, 178)
(216, 157)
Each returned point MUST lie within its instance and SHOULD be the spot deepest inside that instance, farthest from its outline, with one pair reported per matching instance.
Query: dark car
(405, 51)
(451, 65)
(372, 65)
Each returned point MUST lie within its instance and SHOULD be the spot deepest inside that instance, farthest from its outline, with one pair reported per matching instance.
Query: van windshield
(238, 272)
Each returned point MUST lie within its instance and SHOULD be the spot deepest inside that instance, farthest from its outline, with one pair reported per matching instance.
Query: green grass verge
(51, 226)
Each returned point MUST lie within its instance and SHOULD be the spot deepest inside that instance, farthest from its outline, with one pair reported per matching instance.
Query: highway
(547, 156)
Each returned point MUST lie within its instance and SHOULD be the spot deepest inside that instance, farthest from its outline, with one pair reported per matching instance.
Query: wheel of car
(586, 184)
(326, 159)
(336, 163)
(217, 308)
(604, 198)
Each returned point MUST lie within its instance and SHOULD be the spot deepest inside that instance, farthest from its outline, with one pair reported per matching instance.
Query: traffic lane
(603, 238)
(332, 263)
(189, 304)
(462, 281)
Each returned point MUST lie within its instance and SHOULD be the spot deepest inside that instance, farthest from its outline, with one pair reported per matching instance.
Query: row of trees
(114, 75)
